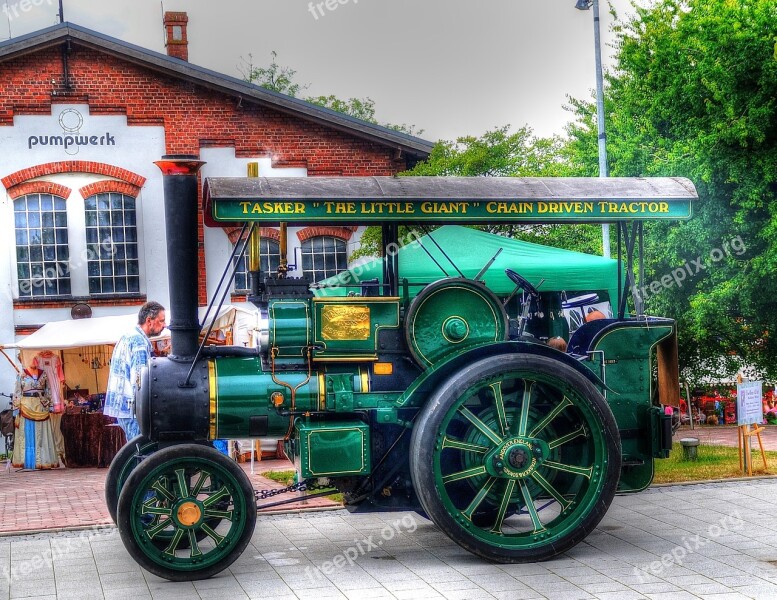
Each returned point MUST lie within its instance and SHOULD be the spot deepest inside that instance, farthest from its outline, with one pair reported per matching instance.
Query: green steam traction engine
(435, 401)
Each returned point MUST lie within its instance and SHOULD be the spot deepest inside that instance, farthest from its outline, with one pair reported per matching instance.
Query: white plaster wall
(221, 162)
(135, 149)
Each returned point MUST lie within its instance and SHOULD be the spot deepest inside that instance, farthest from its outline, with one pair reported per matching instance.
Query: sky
(449, 67)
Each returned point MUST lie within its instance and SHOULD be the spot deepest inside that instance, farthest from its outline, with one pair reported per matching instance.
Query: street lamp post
(603, 170)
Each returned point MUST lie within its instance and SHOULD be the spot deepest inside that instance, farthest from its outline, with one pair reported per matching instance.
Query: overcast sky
(451, 67)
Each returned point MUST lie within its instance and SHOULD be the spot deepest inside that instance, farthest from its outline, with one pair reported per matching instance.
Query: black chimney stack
(180, 186)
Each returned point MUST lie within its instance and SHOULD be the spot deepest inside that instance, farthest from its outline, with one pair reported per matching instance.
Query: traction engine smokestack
(180, 188)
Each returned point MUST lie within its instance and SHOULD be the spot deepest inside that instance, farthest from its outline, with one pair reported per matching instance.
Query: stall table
(91, 439)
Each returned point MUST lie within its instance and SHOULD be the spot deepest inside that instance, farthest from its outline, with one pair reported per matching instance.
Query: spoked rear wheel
(178, 493)
(516, 458)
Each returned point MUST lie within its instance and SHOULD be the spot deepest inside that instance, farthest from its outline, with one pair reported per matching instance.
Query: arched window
(323, 257)
(270, 258)
(42, 254)
(112, 244)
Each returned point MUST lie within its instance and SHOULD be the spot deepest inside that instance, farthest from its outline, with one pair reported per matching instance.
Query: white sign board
(749, 406)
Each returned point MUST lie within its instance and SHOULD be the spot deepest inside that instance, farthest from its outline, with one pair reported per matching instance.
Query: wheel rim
(193, 504)
(520, 460)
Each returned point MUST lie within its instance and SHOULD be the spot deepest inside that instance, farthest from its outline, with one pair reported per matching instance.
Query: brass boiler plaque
(345, 322)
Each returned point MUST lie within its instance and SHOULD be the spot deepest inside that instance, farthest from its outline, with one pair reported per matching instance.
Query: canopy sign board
(749, 403)
(465, 200)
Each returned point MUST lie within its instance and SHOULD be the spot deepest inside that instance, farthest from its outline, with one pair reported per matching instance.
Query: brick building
(83, 116)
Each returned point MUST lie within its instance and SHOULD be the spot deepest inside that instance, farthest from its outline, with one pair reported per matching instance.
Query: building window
(269, 259)
(323, 257)
(42, 255)
(112, 244)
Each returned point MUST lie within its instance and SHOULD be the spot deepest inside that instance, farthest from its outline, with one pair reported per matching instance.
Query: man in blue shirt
(131, 354)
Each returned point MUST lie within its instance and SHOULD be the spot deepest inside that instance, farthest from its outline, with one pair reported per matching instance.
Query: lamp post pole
(602, 136)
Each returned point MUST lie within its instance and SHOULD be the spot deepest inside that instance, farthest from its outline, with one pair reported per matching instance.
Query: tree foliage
(280, 79)
(694, 94)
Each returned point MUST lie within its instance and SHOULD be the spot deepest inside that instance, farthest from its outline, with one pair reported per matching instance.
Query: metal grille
(112, 244)
(323, 257)
(42, 254)
(270, 258)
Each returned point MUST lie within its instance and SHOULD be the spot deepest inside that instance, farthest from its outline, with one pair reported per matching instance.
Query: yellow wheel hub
(189, 514)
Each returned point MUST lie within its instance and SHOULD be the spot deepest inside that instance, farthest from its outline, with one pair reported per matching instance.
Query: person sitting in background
(559, 343)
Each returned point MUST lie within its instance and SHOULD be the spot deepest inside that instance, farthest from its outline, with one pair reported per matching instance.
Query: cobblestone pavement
(712, 541)
(63, 498)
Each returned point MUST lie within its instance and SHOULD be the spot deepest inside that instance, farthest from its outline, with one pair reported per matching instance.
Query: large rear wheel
(516, 457)
(177, 494)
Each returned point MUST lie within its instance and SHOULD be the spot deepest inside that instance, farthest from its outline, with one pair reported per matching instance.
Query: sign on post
(749, 405)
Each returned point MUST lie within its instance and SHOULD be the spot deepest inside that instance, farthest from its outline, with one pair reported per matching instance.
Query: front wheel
(516, 457)
(177, 494)
(126, 459)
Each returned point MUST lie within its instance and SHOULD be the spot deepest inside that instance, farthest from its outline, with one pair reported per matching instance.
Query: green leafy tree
(694, 94)
(502, 152)
(281, 79)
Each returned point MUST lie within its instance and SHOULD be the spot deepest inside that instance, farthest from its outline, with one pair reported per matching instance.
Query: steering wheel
(522, 283)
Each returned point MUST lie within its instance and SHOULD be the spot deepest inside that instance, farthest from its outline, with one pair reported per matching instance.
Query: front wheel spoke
(150, 507)
(152, 532)
(553, 492)
(473, 472)
(523, 421)
(183, 485)
(160, 487)
(550, 416)
(448, 442)
(568, 437)
(499, 403)
(584, 471)
(173, 545)
(215, 497)
(500, 515)
(200, 483)
(532, 510)
(478, 499)
(480, 425)
(211, 533)
(218, 514)
(195, 547)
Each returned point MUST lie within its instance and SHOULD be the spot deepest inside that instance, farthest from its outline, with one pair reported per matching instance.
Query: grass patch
(713, 462)
(286, 478)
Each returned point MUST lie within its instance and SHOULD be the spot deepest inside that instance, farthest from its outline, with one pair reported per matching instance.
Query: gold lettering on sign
(345, 322)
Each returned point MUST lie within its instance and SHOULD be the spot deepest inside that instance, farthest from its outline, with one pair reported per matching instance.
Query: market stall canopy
(97, 331)
(421, 262)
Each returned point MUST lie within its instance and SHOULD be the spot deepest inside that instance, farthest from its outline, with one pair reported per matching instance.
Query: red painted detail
(39, 187)
(179, 167)
(72, 166)
(343, 233)
(109, 185)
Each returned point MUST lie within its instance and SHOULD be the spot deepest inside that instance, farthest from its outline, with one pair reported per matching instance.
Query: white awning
(96, 331)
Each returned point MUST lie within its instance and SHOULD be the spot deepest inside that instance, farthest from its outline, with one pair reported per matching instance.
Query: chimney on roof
(176, 40)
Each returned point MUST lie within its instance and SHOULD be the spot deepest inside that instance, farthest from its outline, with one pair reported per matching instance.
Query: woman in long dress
(34, 443)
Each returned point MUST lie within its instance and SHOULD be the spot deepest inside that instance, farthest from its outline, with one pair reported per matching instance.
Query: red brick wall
(193, 116)
(39, 187)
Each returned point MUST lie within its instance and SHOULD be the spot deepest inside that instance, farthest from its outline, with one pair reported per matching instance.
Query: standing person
(131, 354)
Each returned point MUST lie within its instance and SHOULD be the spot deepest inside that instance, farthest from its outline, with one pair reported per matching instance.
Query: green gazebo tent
(471, 249)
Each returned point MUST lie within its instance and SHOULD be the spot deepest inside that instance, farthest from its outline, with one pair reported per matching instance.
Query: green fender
(419, 390)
